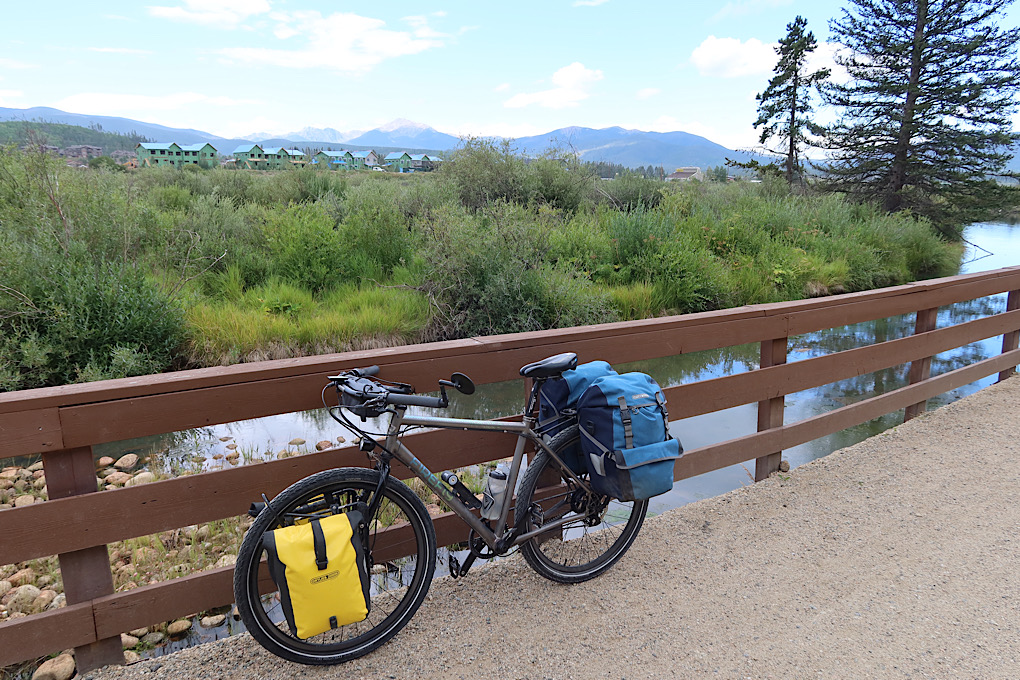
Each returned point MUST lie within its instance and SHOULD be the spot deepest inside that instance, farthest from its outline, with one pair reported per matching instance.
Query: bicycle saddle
(550, 366)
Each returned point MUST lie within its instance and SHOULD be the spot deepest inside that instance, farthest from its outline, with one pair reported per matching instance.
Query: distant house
(202, 155)
(360, 160)
(150, 154)
(250, 157)
(334, 160)
(83, 151)
(685, 175)
(398, 161)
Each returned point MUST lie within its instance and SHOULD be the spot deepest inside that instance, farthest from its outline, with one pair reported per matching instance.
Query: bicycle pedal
(454, 566)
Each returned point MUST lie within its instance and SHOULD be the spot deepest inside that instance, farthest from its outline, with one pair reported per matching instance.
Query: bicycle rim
(597, 532)
(399, 581)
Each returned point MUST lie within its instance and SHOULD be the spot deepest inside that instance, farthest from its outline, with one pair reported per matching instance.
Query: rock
(58, 602)
(282, 454)
(202, 533)
(226, 561)
(128, 641)
(39, 484)
(231, 446)
(153, 639)
(213, 621)
(44, 580)
(38, 473)
(138, 632)
(22, 599)
(44, 600)
(218, 456)
(118, 478)
(323, 445)
(105, 461)
(22, 577)
(20, 485)
(341, 440)
(131, 657)
(296, 441)
(6, 483)
(225, 439)
(141, 478)
(784, 466)
(58, 668)
(126, 462)
(24, 501)
(10, 473)
(233, 455)
(36, 467)
(198, 459)
(179, 627)
(5, 587)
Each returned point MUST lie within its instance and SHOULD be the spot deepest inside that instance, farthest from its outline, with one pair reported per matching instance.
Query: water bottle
(492, 497)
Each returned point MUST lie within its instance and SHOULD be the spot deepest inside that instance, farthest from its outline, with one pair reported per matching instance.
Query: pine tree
(784, 106)
(925, 119)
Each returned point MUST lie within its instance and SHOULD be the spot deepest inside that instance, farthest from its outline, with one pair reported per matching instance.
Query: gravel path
(895, 558)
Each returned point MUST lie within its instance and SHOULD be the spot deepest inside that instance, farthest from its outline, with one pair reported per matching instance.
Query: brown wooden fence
(77, 523)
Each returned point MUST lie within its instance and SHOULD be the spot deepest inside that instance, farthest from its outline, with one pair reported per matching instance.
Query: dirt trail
(898, 557)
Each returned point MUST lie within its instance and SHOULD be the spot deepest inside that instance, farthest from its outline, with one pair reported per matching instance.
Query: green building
(151, 154)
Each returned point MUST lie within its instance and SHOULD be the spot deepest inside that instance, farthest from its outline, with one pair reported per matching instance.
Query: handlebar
(365, 396)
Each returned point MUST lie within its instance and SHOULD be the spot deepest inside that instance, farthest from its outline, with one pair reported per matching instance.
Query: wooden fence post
(920, 369)
(1010, 340)
(770, 411)
(85, 573)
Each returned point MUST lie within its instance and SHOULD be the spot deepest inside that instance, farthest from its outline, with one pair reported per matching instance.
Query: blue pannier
(557, 404)
(625, 438)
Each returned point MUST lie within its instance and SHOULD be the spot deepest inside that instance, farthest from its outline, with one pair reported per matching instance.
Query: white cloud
(741, 8)
(502, 87)
(222, 13)
(118, 50)
(343, 42)
(14, 64)
(7, 95)
(731, 58)
(248, 126)
(737, 137)
(648, 92)
(571, 87)
(589, 3)
(99, 103)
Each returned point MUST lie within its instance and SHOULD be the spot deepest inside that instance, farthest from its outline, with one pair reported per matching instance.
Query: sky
(238, 67)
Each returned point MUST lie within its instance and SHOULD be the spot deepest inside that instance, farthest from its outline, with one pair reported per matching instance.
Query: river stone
(231, 446)
(153, 639)
(5, 587)
(341, 440)
(225, 439)
(138, 632)
(141, 478)
(39, 484)
(10, 473)
(24, 501)
(296, 441)
(35, 467)
(59, 668)
(105, 461)
(118, 478)
(22, 577)
(784, 466)
(126, 462)
(58, 602)
(213, 621)
(227, 560)
(44, 600)
(131, 657)
(179, 627)
(323, 445)
(22, 599)
(217, 456)
(128, 641)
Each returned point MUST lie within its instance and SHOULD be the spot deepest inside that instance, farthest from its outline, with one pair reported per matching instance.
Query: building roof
(396, 155)
(157, 145)
(247, 148)
(294, 152)
(334, 154)
(362, 154)
(197, 147)
(418, 157)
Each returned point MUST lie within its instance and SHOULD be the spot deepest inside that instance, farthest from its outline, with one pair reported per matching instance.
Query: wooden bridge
(77, 523)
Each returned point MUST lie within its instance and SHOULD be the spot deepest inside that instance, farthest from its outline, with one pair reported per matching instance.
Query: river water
(990, 246)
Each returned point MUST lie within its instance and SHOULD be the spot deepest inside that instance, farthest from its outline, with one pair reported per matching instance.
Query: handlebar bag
(557, 404)
(625, 437)
(319, 567)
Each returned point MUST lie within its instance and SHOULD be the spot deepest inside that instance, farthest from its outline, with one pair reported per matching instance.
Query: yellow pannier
(319, 567)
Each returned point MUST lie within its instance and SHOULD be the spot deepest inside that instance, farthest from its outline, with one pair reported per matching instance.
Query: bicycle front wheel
(401, 551)
(598, 529)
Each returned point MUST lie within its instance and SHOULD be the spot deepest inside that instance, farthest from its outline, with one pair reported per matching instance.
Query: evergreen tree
(925, 117)
(784, 106)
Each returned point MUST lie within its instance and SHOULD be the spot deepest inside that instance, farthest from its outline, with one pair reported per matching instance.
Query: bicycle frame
(499, 539)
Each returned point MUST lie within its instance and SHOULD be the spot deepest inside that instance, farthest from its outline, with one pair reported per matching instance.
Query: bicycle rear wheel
(401, 551)
(599, 530)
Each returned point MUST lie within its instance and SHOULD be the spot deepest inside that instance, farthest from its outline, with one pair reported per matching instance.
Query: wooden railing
(77, 523)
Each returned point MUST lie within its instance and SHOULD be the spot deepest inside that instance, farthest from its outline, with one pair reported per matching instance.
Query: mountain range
(630, 148)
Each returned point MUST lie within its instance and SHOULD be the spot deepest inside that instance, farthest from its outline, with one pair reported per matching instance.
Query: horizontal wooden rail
(55, 421)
